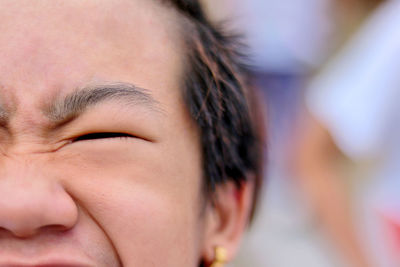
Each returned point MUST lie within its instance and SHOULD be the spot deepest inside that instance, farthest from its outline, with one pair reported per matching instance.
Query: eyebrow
(77, 102)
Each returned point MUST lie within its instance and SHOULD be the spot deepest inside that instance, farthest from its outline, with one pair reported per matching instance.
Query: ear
(227, 218)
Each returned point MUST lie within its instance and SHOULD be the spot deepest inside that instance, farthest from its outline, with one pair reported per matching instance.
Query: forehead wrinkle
(81, 99)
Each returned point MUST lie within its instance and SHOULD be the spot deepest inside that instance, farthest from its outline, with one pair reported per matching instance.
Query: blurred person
(288, 40)
(352, 130)
(283, 36)
(285, 40)
(126, 135)
(348, 15)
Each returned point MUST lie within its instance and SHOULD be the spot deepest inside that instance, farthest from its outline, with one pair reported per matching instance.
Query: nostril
(24, 233)
(7, 233)
(3, 231)
(28, 232)
(54, 228)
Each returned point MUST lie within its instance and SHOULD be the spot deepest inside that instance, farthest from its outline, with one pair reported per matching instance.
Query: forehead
(50, 47)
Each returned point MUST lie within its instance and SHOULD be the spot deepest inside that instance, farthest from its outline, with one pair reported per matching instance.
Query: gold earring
(220, 257)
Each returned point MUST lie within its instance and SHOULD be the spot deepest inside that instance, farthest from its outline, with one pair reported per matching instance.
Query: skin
(317, 163)
(131, 201)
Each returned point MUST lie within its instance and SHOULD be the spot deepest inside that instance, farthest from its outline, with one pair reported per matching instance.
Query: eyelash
(104, 135)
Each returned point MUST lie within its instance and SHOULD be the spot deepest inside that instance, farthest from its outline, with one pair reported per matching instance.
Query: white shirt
(357, 98)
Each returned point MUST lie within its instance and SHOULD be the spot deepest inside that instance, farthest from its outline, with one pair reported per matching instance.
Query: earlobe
(227, 219)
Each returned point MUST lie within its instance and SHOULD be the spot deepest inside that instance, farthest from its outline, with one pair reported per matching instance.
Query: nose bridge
(31, 199)
(21, 169)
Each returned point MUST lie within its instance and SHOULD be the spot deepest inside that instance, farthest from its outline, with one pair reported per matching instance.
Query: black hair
(218, 96)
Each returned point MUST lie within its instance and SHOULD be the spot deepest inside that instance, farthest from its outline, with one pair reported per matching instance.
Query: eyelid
(102, 135)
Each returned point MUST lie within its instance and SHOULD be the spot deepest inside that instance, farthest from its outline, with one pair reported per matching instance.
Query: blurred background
(328, 72)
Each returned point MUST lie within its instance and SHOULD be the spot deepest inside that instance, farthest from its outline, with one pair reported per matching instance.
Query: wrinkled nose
(30, 202)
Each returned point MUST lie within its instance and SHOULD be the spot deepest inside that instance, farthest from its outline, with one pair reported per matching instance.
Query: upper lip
(48, 262)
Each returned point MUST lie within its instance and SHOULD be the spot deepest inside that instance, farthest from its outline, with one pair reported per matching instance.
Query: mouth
(52, 264)
(45, 263)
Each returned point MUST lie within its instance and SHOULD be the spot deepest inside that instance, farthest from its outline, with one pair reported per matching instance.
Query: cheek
(144, 202)
(143, 225)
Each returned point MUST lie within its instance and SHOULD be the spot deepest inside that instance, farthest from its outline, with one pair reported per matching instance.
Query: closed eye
(104, 135)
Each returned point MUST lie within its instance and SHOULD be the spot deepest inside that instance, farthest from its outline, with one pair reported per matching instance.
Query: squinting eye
(94, 136)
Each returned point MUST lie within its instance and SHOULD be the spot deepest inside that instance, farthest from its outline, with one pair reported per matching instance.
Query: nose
(31, 202)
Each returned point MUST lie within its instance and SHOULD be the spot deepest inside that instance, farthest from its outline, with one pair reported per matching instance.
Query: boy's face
(70, 71)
